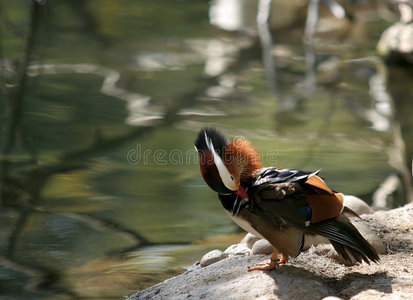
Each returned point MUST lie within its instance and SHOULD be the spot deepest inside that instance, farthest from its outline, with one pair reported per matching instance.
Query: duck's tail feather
(346, 239)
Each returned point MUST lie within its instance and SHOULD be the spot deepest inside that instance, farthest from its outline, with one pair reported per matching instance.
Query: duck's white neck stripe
(225, 175)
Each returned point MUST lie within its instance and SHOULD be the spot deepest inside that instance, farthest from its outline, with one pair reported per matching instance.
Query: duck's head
(225, 164)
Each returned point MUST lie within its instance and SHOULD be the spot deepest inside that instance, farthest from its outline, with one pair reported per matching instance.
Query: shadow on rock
(355, 283)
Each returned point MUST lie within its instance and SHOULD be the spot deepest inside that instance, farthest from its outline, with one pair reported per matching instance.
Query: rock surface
(312, 275)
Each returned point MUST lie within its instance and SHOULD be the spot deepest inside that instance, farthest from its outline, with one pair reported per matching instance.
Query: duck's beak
(242, 193)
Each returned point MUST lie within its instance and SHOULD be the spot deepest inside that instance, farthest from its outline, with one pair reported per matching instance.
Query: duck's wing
(309, 197)
(303, 200)
(278, 208)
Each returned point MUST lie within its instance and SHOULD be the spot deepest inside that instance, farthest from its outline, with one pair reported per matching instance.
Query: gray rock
(249, 239)
(229, 279)
(238, 249)
(262, 247)
(357, 205)
(212, 257)
(311, 275)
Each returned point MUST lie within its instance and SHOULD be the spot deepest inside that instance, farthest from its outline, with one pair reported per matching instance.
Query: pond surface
(101, 101)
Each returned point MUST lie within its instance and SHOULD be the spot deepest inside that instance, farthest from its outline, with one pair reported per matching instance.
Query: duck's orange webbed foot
(270, 264)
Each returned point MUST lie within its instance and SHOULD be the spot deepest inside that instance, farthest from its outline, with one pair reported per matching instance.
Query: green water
(100, 189)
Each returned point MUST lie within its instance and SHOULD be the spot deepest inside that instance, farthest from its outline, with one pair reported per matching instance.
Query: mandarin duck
(287, 207)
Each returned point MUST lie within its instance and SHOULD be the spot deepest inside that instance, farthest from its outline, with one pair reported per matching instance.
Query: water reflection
(138, 105)
(77, 215)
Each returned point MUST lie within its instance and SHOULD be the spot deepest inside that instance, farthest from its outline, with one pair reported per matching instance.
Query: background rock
(212, 257)
(238, 249)
(357, 205)
(262, 247)
(250, 239)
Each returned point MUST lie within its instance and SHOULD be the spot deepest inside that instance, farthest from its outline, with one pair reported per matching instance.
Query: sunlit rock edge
(314, 274)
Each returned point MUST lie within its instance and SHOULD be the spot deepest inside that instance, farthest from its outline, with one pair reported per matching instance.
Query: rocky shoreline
(315, 274)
